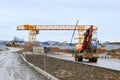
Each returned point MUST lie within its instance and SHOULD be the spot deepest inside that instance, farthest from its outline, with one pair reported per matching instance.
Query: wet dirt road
(12, 67)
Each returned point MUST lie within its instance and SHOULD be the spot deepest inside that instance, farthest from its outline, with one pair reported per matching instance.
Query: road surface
(12, 67)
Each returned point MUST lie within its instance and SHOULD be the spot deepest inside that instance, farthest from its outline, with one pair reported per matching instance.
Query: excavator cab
(94, 44)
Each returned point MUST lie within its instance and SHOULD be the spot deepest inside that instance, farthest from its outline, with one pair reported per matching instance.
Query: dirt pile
(68, 70)
(115, 50)
(117, 56)
(115, 53)
(100, 50)
(60, 50)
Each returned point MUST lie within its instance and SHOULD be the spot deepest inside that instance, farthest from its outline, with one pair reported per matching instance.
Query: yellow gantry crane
(34, 30)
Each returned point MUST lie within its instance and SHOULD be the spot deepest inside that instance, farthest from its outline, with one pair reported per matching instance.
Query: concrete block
(38, 50)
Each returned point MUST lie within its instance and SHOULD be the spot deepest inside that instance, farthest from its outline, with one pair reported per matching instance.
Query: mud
(12, 67)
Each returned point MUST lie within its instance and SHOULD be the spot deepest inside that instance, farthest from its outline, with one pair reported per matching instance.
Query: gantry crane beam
(53, 27)
(34, 29)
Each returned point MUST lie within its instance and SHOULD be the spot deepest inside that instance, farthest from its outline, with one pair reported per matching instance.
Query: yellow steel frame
(34, 28)
(81, 30)
(32, 36)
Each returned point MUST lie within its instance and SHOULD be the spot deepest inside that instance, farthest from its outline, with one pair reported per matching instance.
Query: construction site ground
(108, 63)
(58, 64)
(12, 67)
(64, 67)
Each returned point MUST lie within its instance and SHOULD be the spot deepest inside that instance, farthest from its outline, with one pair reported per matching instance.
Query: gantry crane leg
(32, 36)
(81, 30)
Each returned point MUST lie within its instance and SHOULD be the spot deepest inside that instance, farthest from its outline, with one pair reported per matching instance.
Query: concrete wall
(68, 70)
(38, 50)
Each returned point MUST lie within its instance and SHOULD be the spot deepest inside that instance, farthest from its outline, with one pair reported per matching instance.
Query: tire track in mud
(12, 67)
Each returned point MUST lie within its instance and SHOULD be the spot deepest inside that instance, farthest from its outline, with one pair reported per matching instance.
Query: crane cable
(74, 32)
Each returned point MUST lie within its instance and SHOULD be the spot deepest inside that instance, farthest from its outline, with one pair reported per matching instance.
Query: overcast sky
(103, 13)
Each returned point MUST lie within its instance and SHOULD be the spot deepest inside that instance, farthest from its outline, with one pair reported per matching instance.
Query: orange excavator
(88, 48)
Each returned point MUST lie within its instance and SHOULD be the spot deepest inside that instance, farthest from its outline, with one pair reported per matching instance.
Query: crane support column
(32, 36)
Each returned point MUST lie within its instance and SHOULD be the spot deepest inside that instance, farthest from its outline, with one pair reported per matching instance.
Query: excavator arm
(87, 39)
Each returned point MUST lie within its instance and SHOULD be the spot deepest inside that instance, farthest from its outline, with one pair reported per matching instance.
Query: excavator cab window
(94, 44)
